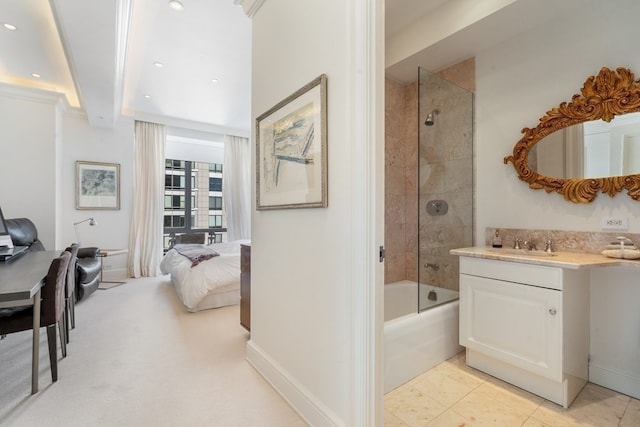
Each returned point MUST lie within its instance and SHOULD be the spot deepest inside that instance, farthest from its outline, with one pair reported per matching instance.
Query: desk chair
(70, 295)
(18, 319)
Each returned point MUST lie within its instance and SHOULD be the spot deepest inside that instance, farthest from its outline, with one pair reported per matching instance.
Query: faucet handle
(549, 247)
(516, 243)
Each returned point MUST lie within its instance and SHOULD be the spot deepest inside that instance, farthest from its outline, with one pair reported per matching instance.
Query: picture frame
(97, 185)
(291, 150)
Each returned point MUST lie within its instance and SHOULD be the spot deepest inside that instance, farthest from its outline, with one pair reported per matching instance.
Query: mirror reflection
(593, 149)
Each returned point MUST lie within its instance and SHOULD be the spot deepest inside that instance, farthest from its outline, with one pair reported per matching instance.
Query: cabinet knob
(552, 311)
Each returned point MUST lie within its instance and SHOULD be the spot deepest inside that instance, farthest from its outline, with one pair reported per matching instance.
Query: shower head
(429, 119)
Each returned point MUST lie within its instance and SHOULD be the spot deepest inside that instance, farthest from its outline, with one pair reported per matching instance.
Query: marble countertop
(572, 260)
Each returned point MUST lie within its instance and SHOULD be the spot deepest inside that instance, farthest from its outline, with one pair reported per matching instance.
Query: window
(215, 220)
(215, 238)
(173, 202)
(174, 181)
(187, 202)
(215, 184)
(215, 203)
(174, 220)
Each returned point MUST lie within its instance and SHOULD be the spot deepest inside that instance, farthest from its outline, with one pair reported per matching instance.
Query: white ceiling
(101, 55)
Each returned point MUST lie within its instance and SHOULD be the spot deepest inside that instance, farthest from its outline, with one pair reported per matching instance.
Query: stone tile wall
(591, 242)
(401, 183)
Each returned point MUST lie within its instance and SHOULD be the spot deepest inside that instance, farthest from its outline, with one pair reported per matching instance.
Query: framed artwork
(97, 185)
(291, 150)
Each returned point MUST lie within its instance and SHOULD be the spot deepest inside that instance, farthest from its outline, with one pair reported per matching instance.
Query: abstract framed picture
(291, 150)
(97, 185)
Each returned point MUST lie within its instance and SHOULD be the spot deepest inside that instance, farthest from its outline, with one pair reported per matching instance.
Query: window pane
(175, 182)
(215, 184)
(215, 202)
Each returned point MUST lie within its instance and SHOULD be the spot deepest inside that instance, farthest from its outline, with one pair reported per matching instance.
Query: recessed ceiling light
(147, 96)
(158, 64)
(214, 80)
(176, 5)
(36, 75)
(10, 27)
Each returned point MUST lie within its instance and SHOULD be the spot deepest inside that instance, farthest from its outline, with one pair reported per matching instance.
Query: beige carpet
(137, 358)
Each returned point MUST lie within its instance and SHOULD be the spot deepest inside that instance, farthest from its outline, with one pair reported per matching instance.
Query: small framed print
(97, 185)
(291, 150)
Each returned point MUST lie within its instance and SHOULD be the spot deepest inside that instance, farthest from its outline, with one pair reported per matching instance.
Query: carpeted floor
(138, 358)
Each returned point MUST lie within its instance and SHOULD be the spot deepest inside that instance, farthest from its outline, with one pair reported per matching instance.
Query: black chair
(70, 288)
(23, 232)
(87, 272)
(18, 319)
(190, 238)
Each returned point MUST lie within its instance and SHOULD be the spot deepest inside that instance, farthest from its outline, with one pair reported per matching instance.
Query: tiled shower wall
(401, 176)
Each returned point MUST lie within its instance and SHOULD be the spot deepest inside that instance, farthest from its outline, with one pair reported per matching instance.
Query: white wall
(300, 324)
(108, 145)
(28, 151)
(517, 82)
(41, 141)
(299, 257)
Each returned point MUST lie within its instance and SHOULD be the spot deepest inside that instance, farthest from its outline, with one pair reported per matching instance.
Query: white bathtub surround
(415, 342)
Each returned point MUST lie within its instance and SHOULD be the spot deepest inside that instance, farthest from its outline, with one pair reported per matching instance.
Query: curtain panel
(145, 240)
(236, 187)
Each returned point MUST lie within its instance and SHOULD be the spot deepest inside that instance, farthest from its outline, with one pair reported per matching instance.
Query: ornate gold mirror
(589, 145)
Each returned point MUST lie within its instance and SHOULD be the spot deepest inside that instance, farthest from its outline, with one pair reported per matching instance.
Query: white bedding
(212, 283)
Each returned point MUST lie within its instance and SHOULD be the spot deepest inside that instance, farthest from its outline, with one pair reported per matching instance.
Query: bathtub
(415, 342)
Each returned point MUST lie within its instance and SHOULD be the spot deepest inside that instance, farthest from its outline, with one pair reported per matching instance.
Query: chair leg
(67, 318)
(53, 353)
(72, 304)
(62, 328)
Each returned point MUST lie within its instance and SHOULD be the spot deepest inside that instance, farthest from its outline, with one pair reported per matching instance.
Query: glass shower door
(445, 185)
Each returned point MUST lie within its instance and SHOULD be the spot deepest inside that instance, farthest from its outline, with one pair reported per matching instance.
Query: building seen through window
(193, 201)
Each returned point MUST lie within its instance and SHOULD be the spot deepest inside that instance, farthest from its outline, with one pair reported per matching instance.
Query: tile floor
(453, 394)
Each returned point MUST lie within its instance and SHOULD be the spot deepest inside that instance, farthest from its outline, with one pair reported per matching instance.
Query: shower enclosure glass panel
(445, 185)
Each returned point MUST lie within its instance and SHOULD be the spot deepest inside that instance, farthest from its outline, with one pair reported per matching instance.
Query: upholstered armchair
(23, 232)
(87, 272)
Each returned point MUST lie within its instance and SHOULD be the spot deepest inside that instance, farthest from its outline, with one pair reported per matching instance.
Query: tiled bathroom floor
(455, 395)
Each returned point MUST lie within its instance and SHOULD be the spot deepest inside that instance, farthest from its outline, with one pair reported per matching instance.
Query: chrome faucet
(549, 246)
(516, 243)
(530, 245)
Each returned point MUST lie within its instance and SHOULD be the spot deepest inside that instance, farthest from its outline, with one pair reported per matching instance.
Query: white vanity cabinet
(527, 324)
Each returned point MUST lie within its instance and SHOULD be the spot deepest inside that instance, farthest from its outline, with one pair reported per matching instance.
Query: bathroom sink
(522, 252)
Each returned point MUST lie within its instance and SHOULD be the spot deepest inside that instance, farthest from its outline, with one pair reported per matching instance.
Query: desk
(110, 252)
(20, 283)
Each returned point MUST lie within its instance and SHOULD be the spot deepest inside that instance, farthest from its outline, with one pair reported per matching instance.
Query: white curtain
(145, 241)
(236, 187)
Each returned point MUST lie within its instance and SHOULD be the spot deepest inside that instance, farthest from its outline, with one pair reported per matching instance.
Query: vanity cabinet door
(515, 323)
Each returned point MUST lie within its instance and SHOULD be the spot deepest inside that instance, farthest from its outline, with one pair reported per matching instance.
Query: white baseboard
(308, 407)
(615, 380)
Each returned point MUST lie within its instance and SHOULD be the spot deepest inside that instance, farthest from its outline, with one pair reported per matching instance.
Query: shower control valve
(434, 267)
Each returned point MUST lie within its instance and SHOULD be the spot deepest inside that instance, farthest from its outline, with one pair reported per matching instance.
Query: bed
(205, 281)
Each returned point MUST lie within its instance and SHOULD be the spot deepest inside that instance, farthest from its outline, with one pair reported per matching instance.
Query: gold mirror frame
(604, 96)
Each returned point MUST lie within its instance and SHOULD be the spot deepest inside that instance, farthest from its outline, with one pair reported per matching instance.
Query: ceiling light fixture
(158, 64)
(10, 27)
(214, 80)
(147, 96)
(176, 5)
(36, 75)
